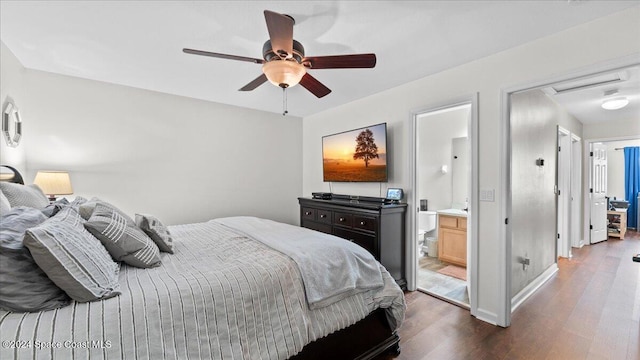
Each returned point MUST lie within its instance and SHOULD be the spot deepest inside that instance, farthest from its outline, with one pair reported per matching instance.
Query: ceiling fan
(284, 63)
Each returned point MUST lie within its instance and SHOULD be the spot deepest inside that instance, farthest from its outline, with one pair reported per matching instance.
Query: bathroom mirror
(11, 124)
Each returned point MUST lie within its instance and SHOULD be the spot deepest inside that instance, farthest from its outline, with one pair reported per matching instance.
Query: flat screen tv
(358, 155)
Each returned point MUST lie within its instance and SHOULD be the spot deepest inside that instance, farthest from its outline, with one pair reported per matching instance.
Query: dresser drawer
(324, 216)
(325, 228)
(343, 219)
(365, 223)
(366, 241)
(308, 213)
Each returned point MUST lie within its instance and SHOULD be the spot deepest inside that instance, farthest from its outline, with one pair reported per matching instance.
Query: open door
(598, 192)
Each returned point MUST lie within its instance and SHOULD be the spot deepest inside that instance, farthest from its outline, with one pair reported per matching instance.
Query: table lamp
(54, 183)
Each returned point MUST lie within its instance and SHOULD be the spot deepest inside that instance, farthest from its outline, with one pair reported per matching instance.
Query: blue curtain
(632, 183)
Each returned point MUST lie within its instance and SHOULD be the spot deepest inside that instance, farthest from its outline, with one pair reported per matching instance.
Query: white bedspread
(222, 295)
(332, 268)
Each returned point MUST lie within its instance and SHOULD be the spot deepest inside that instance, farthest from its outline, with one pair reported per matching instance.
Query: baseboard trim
(487, 316)
(528, 290)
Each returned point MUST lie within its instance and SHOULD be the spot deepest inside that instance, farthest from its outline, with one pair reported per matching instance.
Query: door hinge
(558, 236)
(590, 227)
(559, 148)
(591, 153)
(506, 221)
(591, 190)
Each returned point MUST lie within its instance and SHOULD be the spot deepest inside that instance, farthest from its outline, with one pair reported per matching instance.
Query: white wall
(561, 53)
(181, 159)
(12, 88)
(436, 132)
(615, 167)
(618, 129)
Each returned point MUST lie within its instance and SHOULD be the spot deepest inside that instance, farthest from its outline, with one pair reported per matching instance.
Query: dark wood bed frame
(363, 340)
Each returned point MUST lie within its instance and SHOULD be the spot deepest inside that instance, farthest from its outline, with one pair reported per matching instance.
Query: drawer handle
(341, 219)
(307, 213)
(322, 216)
(362, 223)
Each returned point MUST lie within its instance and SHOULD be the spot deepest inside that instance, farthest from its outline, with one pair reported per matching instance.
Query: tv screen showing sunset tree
(356, 155)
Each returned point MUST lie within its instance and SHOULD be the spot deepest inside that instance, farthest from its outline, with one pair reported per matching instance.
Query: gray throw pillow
(24, 195)
(23, 285)
(122, 238)
(5, 206)
(85, 208)
(72, 258)
(54, 207)
(156, 231)
(79, 200)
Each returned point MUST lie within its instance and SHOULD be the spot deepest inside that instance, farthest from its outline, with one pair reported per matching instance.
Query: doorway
(444, 149)
(606, 182)
(531, 250)
(569, 187)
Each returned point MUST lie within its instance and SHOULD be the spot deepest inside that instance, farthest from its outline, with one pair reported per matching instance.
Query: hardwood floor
(589, 310)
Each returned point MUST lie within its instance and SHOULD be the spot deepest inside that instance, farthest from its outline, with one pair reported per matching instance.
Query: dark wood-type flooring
(590, 309)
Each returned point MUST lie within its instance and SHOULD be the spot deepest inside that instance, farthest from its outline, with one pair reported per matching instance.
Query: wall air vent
(587, 83)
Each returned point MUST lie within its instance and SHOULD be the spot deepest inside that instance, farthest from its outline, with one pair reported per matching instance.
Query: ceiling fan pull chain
(284, 101)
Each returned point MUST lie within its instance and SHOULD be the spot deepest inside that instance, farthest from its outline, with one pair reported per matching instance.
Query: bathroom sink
(453, 212)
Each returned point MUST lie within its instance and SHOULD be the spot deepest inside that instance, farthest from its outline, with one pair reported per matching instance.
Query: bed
(233, 288)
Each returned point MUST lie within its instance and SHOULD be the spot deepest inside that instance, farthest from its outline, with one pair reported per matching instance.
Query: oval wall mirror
(11, 124)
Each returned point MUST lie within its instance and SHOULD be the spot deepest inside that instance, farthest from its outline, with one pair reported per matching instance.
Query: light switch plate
(487, 195)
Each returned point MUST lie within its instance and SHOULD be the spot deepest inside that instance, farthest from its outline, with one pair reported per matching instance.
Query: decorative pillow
(72, 258)
(156, 231)
(24, 195)
(122, 238)
(54, 207)
(25, 287)
(5, 207)
(79, 200)
(86, 208)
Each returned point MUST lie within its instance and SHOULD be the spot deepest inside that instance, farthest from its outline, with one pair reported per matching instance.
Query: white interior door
(598, 192)
(563, 192)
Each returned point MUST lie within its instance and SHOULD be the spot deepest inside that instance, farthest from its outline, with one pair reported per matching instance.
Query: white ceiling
(139, 43)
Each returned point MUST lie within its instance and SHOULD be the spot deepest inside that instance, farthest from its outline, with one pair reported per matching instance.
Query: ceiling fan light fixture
(284, 73)
(615, 103)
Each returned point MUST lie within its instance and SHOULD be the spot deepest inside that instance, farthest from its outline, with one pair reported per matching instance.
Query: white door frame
(504, 250)
(472, 218)
(576, 191)
(563, 181)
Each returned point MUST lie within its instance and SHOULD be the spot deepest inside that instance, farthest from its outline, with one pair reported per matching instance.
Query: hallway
(589, 310)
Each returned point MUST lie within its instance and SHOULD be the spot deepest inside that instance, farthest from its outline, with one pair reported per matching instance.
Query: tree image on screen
(366, 148)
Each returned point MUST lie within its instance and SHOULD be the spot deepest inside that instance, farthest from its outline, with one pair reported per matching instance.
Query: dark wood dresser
(377, 227)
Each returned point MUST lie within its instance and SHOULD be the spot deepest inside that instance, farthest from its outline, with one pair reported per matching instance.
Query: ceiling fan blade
(340, 61)
(255, 83)
(314, 86)
(222, 56)
(280, 32)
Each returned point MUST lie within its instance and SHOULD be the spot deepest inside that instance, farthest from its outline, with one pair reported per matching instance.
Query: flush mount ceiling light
(614, 103)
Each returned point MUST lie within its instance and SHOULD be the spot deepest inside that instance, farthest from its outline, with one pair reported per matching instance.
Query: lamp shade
(54, 182)
(284, 73)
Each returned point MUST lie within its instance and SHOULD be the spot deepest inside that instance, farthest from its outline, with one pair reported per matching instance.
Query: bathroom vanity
(452, 236)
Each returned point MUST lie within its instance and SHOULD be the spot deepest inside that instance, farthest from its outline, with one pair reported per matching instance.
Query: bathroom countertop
(453, 212)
